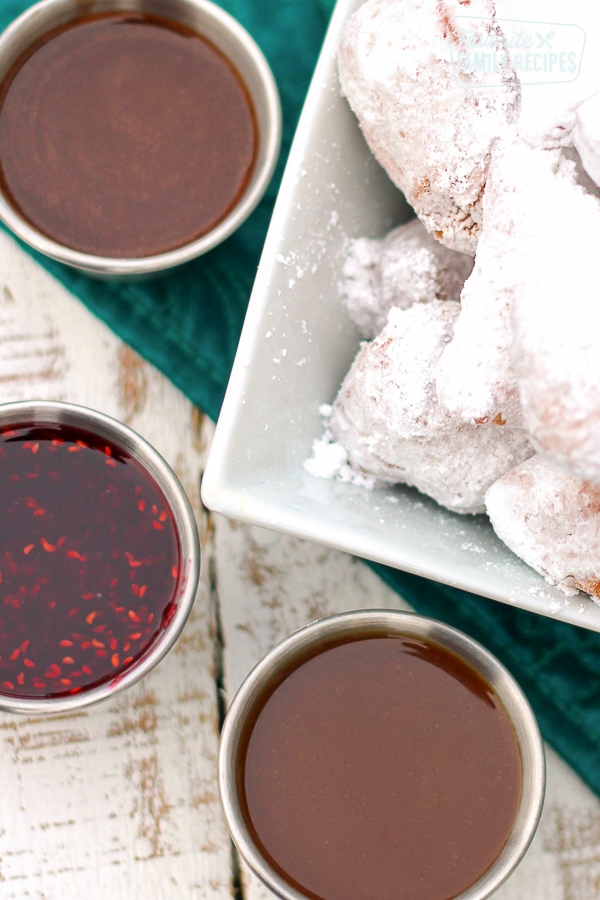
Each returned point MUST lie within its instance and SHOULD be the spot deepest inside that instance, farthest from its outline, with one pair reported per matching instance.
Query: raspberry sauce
(89, 561)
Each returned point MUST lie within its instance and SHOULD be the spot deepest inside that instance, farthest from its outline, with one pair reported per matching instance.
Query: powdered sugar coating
(556, 312)
(476, 379)
(552, 522)
(387, 416)
(431, 132)
(586, 136)
(359, 289)
(548, 107)
(524, 348)
(408, 266)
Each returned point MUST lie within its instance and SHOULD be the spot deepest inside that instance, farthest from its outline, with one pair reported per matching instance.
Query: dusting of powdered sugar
(407, 266)
(394, 62)
(329, 458)
(455, 399)
(388, 418)
(552, 521)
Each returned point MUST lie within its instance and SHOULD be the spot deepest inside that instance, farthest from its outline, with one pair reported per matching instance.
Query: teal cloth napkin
(188, 323)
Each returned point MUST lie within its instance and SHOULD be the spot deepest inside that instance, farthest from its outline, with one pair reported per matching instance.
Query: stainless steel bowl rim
(14, 36)
(57, 412)
(397, 623)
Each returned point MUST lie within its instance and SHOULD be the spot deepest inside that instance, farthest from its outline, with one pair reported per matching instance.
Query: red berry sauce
(89, 561)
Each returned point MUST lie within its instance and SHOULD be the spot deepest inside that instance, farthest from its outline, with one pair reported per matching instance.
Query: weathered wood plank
(123, 796)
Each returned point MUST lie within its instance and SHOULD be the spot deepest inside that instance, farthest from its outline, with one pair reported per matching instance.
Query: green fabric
(188, 322)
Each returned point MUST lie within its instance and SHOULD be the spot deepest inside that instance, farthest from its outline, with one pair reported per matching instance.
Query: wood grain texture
(121, 801)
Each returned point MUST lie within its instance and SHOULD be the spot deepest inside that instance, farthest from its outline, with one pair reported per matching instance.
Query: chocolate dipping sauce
(125, 135)
(382, 767)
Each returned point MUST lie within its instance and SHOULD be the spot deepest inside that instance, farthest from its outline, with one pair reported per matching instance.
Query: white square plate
(296, 347)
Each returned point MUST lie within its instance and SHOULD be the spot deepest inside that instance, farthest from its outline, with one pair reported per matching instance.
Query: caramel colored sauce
(383, 767)
(125, 135)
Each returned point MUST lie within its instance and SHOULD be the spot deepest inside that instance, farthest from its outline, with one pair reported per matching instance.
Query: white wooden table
(121, 801)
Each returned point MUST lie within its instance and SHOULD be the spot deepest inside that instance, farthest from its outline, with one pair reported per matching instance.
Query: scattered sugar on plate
(329, 459)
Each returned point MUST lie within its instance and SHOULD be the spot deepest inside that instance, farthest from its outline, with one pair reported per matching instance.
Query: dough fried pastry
(407, 266)
(551, 521)
(388, 419)
(425, 124)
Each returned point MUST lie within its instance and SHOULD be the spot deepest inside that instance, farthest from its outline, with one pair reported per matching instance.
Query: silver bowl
(399, 623)
(211, 22)
(57, 413)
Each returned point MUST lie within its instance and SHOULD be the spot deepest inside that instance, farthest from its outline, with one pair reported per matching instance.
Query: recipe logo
(537, 52)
